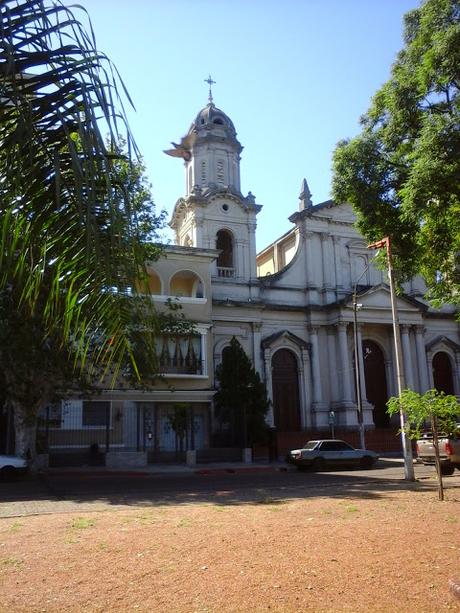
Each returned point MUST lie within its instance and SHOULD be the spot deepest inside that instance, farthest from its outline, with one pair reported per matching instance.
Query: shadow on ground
(223, 488)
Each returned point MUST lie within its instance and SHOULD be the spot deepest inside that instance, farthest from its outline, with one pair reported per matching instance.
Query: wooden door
(285, 381)
(376, 383)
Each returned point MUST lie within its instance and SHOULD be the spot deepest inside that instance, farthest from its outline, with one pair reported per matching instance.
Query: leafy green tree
(74, 218)
(439, 410)
(402, 173)
(241, 399)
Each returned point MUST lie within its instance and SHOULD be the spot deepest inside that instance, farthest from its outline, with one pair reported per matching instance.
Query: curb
(249, 469)
(154, 473)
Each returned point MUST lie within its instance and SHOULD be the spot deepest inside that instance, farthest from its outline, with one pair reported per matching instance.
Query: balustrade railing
(225, 272)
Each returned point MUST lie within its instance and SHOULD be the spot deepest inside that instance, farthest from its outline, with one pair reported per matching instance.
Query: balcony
(181, 355)
(224, 272)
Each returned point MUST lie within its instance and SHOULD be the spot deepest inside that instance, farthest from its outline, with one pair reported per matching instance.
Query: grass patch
(11, 562)
(351, 508)
(82, 523)
(15, 526)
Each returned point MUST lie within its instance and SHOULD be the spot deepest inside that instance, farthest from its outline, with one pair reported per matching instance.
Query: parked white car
(330, 452)
(12, 466)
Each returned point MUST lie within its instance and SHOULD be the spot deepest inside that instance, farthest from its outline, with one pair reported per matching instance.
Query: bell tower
(214, 214)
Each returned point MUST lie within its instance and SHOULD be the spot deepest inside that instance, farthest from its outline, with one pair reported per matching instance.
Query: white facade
(296, 294)
(290, 307)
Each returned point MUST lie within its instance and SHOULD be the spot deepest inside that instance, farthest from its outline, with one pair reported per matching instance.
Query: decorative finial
(305, 196)
(210, 82)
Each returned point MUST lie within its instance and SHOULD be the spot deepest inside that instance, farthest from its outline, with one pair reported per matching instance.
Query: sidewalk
(171, 469)
(211, 468)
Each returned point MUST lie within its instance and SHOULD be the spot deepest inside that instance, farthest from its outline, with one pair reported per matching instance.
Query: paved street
(80, 492)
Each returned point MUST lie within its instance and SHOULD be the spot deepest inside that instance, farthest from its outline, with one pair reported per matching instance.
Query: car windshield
(310, 445)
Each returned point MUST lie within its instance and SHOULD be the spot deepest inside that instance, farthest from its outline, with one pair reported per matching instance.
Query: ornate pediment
(286, 336)
(442, 341)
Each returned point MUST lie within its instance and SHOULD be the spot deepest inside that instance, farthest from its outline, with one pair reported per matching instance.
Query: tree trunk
(25, 430)
(434, 429)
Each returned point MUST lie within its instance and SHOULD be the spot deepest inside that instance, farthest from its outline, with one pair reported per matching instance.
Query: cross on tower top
(210, 82)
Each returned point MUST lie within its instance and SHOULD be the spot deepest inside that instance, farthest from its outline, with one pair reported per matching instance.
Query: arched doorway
(376, 383)
(442, 373)
(285, 382)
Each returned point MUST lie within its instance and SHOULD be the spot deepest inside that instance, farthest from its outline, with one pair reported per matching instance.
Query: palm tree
(70, 249)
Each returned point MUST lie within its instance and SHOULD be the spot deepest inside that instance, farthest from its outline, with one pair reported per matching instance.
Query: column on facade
(361, 364)
(198, 231)
(304, 389)
(240, 263)
(429, 364)
(332, 362)
(269, 385)
(456, 374)
(317, 391)
(389, 378)
(392, 380)
(407, 356)
(308, 258)
(256, 335)
(337, 264)
(252, 251)
(345, 362)
(421, 358)
(324, 259)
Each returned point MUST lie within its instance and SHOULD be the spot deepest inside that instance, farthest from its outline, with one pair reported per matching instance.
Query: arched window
(186, 283)
(224, 242)
(151, 284)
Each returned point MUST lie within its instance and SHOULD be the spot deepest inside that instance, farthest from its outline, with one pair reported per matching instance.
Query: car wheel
(447, 469)
(7, 473)
(318, 464)
(301, 467)
(366, 462)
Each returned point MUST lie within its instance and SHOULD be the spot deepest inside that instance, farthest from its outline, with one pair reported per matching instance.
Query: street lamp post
(406, 444)
(359, 399)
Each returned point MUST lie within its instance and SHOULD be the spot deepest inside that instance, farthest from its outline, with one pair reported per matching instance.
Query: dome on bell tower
(210, 117)
(211, 152)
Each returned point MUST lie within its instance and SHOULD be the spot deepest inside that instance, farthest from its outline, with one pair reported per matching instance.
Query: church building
(289, 305)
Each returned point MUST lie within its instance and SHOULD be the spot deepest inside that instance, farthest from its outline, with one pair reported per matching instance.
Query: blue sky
(293, 75)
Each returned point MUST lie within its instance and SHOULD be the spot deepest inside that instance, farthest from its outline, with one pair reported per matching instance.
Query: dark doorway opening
(376, 383)
(442, 373)
(285, 383)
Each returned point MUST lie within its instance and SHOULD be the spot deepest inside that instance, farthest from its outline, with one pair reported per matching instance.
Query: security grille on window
(180, 354)
(95, 413)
